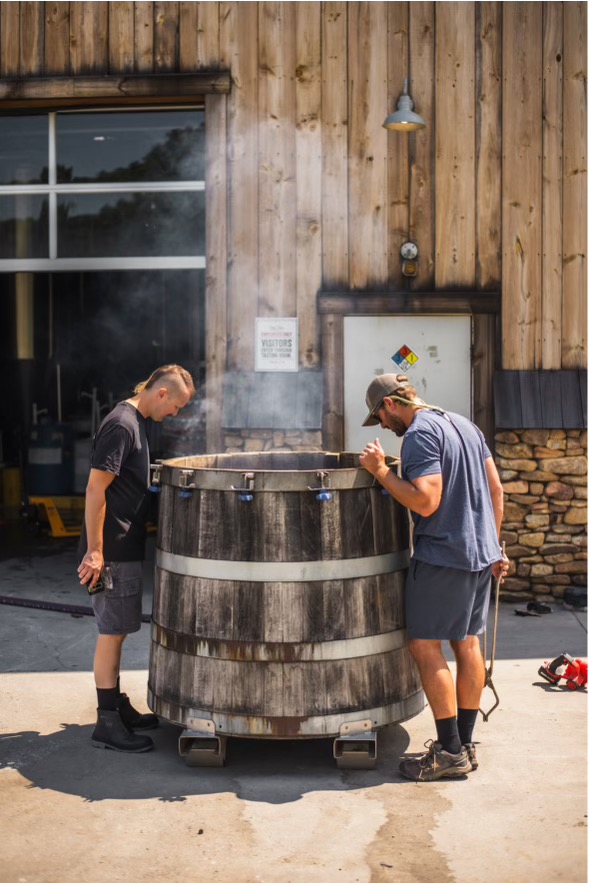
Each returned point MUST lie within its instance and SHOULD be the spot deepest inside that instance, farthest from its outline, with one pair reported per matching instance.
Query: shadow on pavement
(270, 771)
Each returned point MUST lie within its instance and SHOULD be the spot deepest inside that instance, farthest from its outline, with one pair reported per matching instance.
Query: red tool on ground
(572, 671)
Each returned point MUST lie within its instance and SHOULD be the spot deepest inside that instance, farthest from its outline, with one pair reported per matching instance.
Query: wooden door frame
(483, 306)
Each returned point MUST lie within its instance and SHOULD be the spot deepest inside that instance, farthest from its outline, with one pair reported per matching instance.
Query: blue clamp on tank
(246, 498)
(384, 492)
(155, 489)
(323, 496)
(185, 494)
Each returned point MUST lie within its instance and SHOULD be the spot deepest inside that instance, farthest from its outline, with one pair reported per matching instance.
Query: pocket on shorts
(126, 577)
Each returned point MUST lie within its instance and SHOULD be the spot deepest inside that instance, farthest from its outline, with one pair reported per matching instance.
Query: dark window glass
(131, 224)
(23, 149)
(24, 226)
(137, 146)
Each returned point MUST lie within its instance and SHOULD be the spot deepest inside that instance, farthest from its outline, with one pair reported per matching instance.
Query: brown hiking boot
(472, 755)
(436, 764)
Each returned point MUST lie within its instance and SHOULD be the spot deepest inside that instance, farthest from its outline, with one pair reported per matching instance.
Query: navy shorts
(444, 603)
(118, 608)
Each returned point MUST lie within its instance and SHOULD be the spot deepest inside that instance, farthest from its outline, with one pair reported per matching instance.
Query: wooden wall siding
(239, 54)
(277, 165)
(308, 177)
(455, 144)
(488, 145)
(493, 190)
(367, 163)
(32, 31)
(574, 330)
(89, 38)
(143, 39)
(397, 207)
(334, 118)
(216, 255)
(166, 58)
(522, 185)
(422, 216)
(552, 186)
(121, 31)
(199, 35)
(57, 39)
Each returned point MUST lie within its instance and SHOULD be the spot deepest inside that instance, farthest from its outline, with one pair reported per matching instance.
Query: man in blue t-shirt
(451, 485)
(112, 545)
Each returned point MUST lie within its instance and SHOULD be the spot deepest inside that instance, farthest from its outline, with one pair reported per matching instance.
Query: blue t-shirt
(461, 533)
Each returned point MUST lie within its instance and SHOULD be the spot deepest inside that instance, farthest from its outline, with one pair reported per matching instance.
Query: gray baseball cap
(382, 386)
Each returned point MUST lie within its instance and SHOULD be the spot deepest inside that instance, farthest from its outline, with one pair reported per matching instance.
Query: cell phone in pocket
(104, 582)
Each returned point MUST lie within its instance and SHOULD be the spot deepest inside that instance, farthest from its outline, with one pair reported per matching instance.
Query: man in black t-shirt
(112, 545)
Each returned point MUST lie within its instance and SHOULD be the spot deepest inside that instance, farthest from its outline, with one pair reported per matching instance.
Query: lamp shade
(404, 119)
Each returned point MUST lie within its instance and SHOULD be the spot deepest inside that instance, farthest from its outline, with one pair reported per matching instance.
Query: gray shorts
(446, 604)
(118, 608)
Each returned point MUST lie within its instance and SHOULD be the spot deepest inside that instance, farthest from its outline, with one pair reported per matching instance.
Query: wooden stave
(382, 520)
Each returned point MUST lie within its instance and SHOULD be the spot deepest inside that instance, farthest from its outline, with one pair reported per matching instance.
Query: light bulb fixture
(403, 119)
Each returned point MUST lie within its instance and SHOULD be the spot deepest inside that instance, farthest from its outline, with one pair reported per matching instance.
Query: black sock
(108, 700)
(448, 737)
(118, 686)
(466, 721)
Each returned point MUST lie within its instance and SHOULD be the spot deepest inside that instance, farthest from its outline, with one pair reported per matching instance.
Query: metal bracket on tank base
(199, 744)
(356, 747)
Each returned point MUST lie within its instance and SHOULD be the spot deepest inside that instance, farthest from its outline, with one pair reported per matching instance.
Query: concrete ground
(278, 812)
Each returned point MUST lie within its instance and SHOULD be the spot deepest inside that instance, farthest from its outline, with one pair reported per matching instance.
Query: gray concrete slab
(279, 812)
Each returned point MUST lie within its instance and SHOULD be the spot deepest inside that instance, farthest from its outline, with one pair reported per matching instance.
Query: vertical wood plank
(216, 256)
(199, 36)
(488, 145)
(9, 39)
(397, 210)
(334, 113)
(89, 38)
(367, 164)
(308, 177)
(121, 37)
(277, 170)
(165, 36)
(455, 144)
(32, 38)
(239, 47)
(332, 340)
(484, 363)
(57, 39)
(552, 186)
(522, 186)
(574, 326)
(144, 37)
(421, 143)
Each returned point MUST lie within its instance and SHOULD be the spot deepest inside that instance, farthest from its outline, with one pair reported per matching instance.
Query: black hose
(75, 609)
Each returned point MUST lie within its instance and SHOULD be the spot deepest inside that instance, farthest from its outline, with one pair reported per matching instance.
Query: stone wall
(272, 440)
(544, 476)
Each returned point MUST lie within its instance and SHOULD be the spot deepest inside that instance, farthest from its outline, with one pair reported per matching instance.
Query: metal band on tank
(287, 652)
(266, 727)
(282, 571)
(267, 481)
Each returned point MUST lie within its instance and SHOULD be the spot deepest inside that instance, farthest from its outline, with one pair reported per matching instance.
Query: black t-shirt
(121, 448)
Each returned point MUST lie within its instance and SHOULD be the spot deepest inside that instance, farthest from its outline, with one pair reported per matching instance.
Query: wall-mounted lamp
(403, 119)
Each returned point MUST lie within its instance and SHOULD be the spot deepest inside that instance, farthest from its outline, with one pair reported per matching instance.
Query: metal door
(433, 351)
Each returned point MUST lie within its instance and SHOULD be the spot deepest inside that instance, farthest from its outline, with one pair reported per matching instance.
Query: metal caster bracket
(199, 744)
(356, 747)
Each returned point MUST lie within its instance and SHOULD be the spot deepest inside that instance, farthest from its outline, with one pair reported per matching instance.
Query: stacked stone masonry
(272, 440)
(544, 476)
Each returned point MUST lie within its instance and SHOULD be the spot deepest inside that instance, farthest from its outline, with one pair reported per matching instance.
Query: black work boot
(133, 718)
(111, 732)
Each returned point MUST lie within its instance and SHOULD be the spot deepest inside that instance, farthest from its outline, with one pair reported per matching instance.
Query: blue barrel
(50, 470)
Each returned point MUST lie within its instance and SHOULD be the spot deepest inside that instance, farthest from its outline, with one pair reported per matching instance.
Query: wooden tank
(278, 608)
